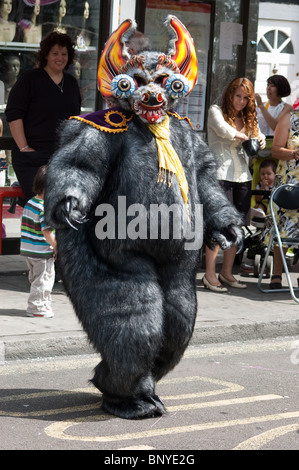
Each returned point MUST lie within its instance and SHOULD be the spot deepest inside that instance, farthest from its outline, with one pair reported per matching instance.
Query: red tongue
(152, 117)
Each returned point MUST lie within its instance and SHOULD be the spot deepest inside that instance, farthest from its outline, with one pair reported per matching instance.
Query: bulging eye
(177, 86)
(122, 86)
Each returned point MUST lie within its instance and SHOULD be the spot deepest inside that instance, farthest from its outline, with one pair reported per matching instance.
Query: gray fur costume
(134, 295)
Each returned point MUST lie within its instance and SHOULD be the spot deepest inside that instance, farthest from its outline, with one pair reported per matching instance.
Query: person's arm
(280, 139)
(17, 108)
(50, 238)
(270, 120)
(17, 131)
(260, 187)
(288, 108)
(262, 139)
(241, 136)
(221, 128)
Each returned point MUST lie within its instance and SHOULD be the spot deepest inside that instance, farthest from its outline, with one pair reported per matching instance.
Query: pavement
(239, 315)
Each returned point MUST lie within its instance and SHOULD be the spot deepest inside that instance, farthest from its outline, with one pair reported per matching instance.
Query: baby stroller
(254, 247)
(253, 241)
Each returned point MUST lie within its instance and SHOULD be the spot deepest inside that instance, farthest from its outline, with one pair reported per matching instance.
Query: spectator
(39, 101)
(269, 113)
(38, 244)
(229, 126)
(286, 149)
(267, 175)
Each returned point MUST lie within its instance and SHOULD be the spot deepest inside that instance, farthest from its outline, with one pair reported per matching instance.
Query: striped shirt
(33, 243)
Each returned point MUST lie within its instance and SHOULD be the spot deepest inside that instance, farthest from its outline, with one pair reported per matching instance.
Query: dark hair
(27, 14)
(39, 182)
(268, 162)
(11, 16)
(50, 41)
(281, 83)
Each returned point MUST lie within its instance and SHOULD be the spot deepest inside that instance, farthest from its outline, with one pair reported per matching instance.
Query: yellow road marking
(228, 387)
(230, 401)
(170, 409)
(259, 441)
(57, 430)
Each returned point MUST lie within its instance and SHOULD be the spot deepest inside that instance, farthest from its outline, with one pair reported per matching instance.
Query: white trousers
(41, 277)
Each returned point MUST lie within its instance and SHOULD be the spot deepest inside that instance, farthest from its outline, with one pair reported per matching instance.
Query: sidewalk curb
(68, 344)
(36, 346)
(244, 332)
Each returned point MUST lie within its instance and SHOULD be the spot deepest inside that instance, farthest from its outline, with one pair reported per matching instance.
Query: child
(38, 244)
(267, 175)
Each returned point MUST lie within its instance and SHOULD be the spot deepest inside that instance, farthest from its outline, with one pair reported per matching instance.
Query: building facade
(278, 45)
(224, 32)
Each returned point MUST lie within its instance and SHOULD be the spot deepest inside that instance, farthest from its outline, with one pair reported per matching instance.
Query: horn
(114, 56)
(181, 49)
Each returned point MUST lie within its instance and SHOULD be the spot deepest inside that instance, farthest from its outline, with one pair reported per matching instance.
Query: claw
(82, 220)
(68, 205)
(69, 223)
(79, 221)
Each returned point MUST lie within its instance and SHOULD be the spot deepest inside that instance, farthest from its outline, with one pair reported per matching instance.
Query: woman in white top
(229, 125)
(269, 113)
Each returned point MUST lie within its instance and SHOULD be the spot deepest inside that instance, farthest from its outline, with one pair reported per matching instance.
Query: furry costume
(134, 292)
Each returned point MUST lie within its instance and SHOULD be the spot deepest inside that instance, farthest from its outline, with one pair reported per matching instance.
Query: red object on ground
(7, 191)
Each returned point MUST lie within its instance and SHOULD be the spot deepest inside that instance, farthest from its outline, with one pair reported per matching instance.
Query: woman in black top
(37, 103)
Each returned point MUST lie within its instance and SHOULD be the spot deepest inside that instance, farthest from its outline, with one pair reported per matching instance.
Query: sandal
(276, 285)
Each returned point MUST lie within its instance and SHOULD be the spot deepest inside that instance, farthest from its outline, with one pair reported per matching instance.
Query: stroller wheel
(269, 266)
(257, 265)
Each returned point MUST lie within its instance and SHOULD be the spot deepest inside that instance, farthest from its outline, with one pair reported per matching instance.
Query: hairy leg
(122, 313)
(179, 314)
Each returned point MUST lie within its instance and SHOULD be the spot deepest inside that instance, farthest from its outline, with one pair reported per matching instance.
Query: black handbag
(251, 146)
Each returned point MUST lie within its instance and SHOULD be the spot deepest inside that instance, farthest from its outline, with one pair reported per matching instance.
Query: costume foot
(159, 404)
(134, 408)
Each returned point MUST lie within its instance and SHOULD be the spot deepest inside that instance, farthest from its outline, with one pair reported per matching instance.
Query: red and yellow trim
(112, 60)
(185, 53)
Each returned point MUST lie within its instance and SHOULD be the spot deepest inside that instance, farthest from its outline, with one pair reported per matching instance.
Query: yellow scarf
(169, 159)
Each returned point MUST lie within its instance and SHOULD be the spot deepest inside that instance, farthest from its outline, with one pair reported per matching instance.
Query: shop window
(196, 16)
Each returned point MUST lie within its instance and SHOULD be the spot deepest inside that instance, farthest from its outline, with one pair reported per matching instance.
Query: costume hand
(229, 236)
(72, 214)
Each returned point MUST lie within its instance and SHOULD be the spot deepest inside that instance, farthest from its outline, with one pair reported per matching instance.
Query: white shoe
(236, 284)
(220, 288)
(47, 314)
